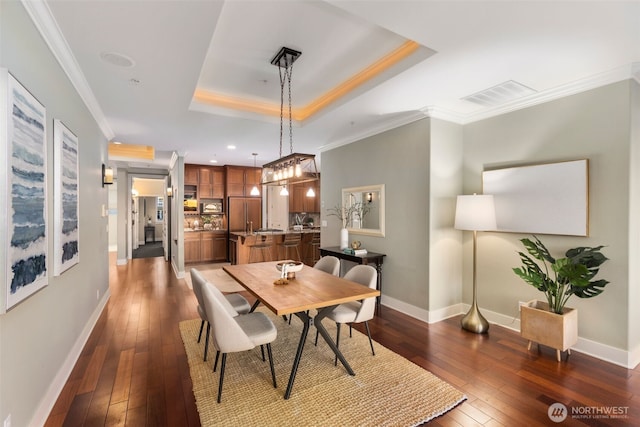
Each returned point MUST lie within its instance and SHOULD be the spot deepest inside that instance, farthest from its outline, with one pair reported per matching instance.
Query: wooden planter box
(539, 325)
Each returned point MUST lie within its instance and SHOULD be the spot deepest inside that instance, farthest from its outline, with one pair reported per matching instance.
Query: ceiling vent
(500, 94)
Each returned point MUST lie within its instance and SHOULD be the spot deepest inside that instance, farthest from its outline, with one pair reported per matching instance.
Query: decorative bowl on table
(291, 268)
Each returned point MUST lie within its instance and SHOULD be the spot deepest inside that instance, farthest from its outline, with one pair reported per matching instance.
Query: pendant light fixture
(254, 191)
(284, 191)
(295, 167)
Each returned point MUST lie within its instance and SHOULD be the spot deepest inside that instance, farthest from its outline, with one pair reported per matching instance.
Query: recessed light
(117, 59)
(213, 161)
(116, 142)
(231, 147)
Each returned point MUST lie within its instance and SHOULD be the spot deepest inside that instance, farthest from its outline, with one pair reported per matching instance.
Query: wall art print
(65, 201)
(23, 139)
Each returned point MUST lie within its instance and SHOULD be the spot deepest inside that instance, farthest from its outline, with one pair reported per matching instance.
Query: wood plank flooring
(133, 370)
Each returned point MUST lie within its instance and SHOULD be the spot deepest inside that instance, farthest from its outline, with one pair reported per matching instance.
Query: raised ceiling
(195, 76)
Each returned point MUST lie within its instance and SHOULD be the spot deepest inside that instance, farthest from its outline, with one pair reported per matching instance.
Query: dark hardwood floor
(133, 370)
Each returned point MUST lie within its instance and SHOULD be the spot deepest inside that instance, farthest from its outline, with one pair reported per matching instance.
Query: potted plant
(552, 323)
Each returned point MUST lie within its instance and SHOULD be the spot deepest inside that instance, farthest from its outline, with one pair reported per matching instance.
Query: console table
(149, 232)
(372, 258)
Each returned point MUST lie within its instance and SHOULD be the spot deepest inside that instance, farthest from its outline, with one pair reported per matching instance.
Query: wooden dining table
(311, 289)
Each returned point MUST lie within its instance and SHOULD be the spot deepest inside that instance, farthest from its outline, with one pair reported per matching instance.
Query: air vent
(500, 94)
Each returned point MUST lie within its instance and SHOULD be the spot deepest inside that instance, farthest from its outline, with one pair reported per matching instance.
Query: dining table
(311, 289)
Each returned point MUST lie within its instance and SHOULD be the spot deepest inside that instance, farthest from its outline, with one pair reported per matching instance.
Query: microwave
(211, 207)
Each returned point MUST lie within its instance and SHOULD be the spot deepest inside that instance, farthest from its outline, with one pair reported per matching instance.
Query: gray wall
(39, 336)
(424, 165)
(594, 125)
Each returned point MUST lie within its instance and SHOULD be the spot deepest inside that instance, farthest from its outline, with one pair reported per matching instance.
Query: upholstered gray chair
(234, 332)
(328, 264)
(237, 301)
(356, 311)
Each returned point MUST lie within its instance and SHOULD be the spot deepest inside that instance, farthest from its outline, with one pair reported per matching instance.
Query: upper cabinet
(240, 180)
(191, 174)
(211, 182)
(298, 199)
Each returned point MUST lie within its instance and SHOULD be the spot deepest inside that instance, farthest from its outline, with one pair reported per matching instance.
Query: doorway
(149, 217)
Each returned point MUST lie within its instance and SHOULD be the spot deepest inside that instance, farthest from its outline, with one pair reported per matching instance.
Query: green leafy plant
(561, 278)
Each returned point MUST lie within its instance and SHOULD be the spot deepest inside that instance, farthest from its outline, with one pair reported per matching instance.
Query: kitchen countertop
(276, 233)
(191, 230)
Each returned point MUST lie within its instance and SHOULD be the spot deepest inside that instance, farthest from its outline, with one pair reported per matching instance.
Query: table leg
(317, 321)
(379, 270)
(306, 320)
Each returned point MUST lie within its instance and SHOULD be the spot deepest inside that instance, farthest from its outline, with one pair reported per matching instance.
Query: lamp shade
(475, 212)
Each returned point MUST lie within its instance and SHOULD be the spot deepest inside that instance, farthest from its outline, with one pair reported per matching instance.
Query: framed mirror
(365, 209)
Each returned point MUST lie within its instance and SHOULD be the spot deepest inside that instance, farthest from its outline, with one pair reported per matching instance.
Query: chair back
(292, 238)
(197, 283)
(228, 336)
(328, 264)
(368, 276)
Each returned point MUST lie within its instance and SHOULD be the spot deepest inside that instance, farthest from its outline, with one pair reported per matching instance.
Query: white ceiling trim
(46, 24)
(613, 76)
(383, 127)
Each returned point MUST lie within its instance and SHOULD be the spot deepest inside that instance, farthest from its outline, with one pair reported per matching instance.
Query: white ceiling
(178, 47)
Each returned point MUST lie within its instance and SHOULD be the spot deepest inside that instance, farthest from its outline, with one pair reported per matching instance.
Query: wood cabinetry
(205, 246)
(211, 182)
(298, 200)
(191, 174)
(240, 180)
(203, 183)
(192, 247)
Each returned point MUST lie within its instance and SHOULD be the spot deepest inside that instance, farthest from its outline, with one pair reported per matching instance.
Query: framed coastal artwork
(23, 194)
(65, 202)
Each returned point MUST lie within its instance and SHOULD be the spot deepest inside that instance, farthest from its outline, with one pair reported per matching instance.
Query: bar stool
(263, 247)
(291, 241)
(315, 247)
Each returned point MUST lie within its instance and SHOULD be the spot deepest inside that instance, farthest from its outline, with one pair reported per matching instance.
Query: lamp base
(473, 321)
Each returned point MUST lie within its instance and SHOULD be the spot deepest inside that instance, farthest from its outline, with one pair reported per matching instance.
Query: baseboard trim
(607, 353)
(55, 388)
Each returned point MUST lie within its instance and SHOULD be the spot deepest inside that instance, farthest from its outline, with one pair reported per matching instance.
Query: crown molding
(381, 126)
(46, 24)
(629, 71)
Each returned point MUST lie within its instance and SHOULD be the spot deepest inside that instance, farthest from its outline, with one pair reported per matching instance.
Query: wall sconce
(107, 175)
(169, 191)
(369, 197)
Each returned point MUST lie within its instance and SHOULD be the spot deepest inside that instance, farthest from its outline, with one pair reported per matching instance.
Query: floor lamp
(475, 213)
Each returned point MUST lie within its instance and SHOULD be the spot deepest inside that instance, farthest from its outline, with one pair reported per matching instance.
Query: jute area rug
(387, 389)
(214, 273)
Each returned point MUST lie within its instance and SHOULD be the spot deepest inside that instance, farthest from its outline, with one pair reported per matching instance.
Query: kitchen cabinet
(192, 247)
(240, 180)
(211, 182)
(205, 246)
(298, 200)
(191, 174)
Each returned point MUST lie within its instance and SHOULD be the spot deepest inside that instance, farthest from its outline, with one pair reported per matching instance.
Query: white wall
(41, 337)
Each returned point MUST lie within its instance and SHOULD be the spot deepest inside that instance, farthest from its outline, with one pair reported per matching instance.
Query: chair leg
(316, 337)
(273, 372)
(215, 364)
(206, 342)
(350, 328)
(335, 361)
(262, 351)
(366, 325)
(201, 327)
(224, 361)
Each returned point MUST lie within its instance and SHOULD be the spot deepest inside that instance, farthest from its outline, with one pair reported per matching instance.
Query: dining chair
(232, 334)
(356, 311)
(328, 264)
(237, 301)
